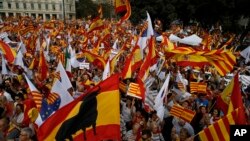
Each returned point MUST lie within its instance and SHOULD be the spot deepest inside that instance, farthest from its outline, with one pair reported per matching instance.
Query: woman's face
(203, 110)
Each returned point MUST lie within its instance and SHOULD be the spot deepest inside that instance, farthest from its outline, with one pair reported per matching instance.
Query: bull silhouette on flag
(86, 117)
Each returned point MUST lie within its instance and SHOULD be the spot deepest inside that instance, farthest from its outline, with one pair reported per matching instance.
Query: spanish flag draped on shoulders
(93, 116)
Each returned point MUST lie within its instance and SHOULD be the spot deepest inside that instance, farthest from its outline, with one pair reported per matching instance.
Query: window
(11, 14)
(17, 5)
(24, 6)
(32, 6)
(33, 15)
(60, 7)
(1, 5)
(53, 16)
(40, 16)
(39, 6)
(18, 14)
(9, 5)
(53, 7)
(47, 16)
(46, 6)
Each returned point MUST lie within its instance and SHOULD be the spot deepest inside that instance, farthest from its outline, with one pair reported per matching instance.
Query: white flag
(159, 98)
(59, 89)
(4, 68)
(106, 71)
(31, 85)
(64, 77)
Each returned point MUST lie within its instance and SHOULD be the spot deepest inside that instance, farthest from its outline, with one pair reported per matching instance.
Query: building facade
(46, 9)
(111, 2)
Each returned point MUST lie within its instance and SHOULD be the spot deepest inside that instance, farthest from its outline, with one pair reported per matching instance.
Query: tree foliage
(85, 8)
(207, 12)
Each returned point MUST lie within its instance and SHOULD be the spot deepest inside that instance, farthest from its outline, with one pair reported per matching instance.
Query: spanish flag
(93, 58)
(127, 14)
(94, 116)
(231, 99)
(42, 67)
(127, 69)
(96, 24)
(120, 6)
(8, 52)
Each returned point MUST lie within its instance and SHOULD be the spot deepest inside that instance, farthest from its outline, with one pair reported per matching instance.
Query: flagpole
(63, 5)
(111, 9)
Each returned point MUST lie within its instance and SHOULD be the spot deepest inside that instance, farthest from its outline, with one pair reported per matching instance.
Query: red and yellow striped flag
(134, 90)
(37, 97)
(122, 87)
(220, 130)
(182, 113)
(198, 87)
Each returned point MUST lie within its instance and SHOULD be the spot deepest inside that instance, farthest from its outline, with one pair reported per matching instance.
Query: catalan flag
(182, 113)
(223, 62)
(122, 87)
(36, 96)
(93, 116)
(220, 130)
(198, 87)
(134, 90)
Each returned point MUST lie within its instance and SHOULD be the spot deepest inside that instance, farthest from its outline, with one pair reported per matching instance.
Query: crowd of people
(137, 124)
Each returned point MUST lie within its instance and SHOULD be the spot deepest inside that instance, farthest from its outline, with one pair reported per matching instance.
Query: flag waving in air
(93, 116)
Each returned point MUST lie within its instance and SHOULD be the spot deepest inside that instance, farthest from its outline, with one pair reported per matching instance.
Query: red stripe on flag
(226, 122)
(218, 131)
(208, 134)
(218, 66)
